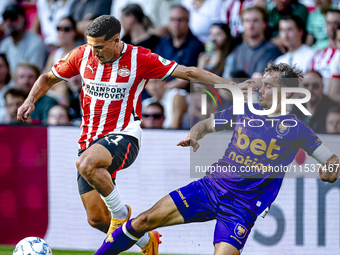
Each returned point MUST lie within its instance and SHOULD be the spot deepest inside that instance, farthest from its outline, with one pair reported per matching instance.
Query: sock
(143, 240)
(120, 240)
(115, 205)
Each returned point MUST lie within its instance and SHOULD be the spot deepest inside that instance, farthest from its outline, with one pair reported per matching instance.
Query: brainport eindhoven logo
(239, 103)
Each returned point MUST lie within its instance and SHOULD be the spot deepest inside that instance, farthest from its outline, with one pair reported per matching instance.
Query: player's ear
(116, 39)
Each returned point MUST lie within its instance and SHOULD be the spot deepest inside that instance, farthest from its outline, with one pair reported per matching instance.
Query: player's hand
(24, 111)
(330, 171)
(245, 85)
(189, 141)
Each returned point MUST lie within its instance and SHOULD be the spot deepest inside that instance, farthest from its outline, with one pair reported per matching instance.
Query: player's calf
(146, 221)
(100, 223)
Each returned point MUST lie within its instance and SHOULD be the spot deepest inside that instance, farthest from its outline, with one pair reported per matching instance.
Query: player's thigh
(93, 157)
(163, 213)
(191, 203)
(224, 248)
(197, 201)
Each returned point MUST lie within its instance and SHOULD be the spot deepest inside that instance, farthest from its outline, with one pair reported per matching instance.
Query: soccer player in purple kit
(235, 198)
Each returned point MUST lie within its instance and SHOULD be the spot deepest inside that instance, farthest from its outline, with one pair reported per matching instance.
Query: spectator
(73, 95)
(58, 116)
(253, 56)
(326, 61)
(220, 38)
(334, 90)
(316, 23)
(136, 26)
(279, 8)
(337, 43)
(25, 76)
(318, 105)
(83, 11)
(14, 99)
(230, 14)
(21, 45)
(180, 45)
(174, 102)
(292, 34)
(3, 5)
(49, 14)
(156, 10)
(153, 116)
(333, 121)
(5, 78)
(67, 37)
(203, 13)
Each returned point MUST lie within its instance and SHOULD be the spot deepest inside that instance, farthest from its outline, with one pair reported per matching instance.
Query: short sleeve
(308, 140)
(155, 67)
(221, 119)
(67, 67)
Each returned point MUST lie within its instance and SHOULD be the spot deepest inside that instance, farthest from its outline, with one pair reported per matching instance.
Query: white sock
(143, 240)
(115, 205)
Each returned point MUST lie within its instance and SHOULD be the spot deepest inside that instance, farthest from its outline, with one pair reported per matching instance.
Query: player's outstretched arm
(193, 74)
(40, 87)
(330, 171)
(197, 132)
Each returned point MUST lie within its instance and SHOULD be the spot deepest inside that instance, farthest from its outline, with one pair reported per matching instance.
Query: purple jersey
(260, 141)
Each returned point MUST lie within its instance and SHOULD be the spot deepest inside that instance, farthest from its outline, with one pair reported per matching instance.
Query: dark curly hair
(288, 77)
(103, 25)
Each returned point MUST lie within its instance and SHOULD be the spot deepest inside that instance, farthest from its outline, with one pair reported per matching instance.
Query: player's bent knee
(85, 167)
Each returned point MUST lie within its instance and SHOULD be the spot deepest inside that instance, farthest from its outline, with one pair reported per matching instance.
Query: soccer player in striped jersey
(235, 198)
(114, 75)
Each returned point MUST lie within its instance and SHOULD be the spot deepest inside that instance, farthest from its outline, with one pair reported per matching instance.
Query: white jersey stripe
(102, 119)
(132, 77)
(114, 72)
(84, 60)
(90, 125)
(98, 77)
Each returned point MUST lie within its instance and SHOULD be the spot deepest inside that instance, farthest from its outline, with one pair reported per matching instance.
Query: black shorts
(124, 150)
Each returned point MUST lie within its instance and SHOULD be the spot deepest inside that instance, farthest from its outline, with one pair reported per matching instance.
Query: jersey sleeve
(155, 67)
(67, 67)
(308, 140)
(220, 120)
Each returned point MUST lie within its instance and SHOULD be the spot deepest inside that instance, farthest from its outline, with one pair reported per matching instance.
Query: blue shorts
(201, 201)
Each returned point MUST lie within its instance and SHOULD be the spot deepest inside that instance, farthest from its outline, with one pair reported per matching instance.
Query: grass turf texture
(8, 250)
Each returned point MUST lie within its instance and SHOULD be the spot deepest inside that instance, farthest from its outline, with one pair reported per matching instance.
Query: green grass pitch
(8, 250)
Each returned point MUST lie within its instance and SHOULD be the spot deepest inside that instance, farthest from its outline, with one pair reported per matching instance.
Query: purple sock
(119, 241)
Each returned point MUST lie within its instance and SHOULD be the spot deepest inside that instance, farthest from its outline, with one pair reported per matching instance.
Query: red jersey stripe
(96, 119)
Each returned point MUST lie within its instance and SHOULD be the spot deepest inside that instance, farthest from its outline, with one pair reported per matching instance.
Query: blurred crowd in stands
(235, 39)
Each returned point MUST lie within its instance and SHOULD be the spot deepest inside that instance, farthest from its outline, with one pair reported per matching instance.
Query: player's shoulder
(77, 52)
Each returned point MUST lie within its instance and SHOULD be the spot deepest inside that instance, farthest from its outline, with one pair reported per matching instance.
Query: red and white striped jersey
(110, 96)
(326, 62)
(231, 14)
